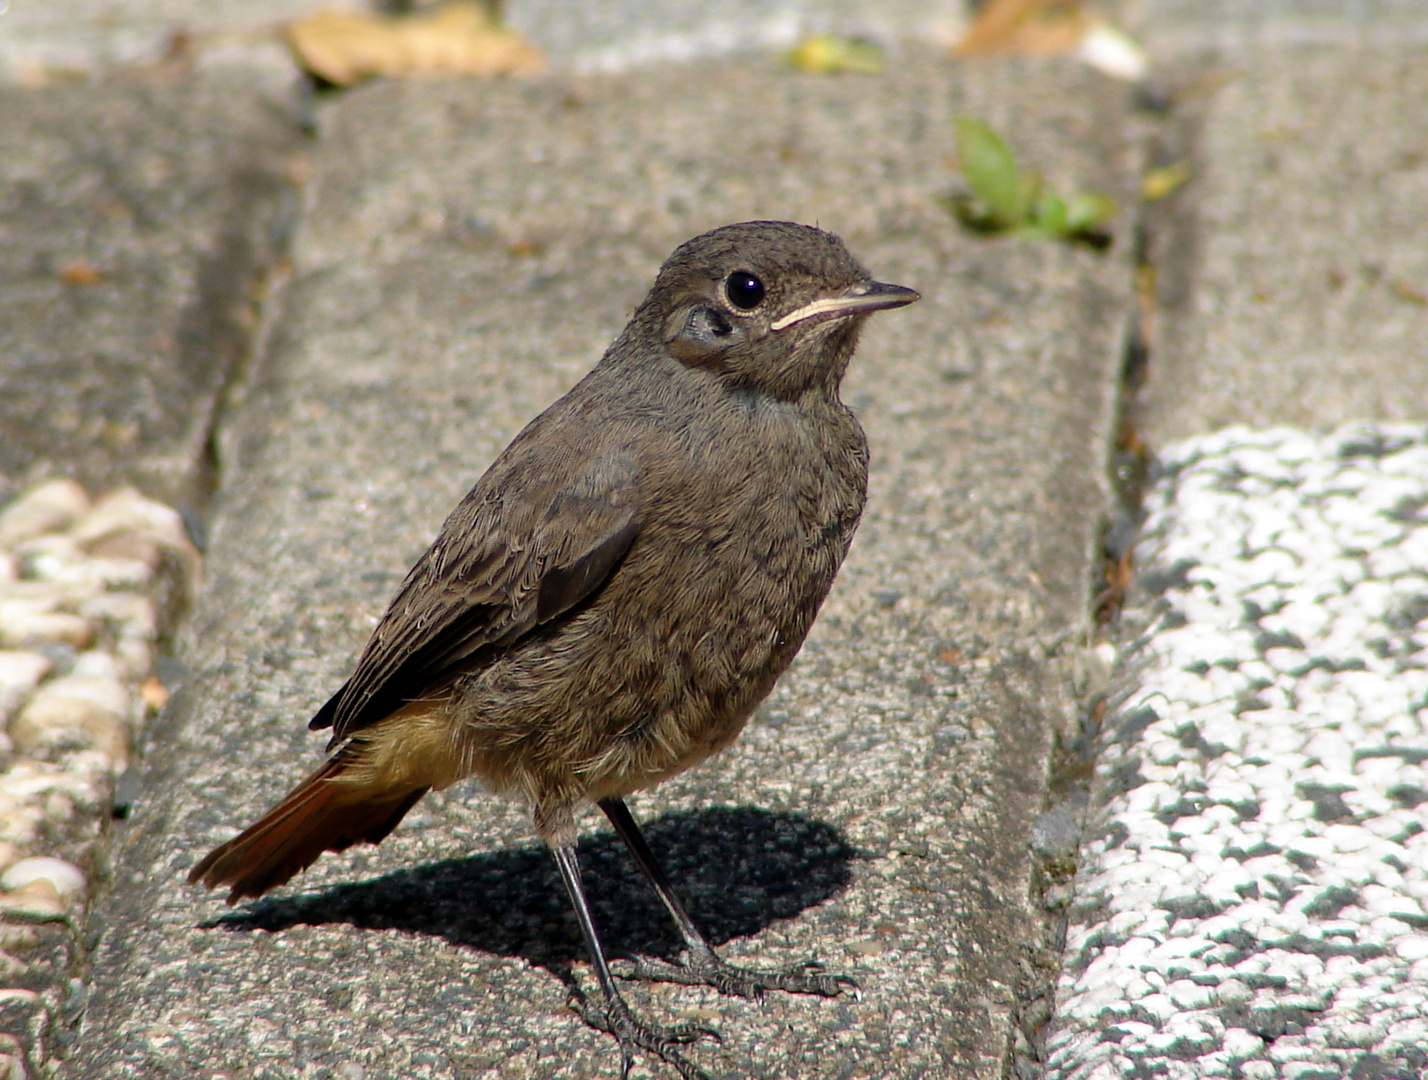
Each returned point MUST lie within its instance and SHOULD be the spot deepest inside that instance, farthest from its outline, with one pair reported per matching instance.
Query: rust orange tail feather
(326, 812)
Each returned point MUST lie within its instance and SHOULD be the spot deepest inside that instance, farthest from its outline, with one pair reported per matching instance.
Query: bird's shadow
(737, 869)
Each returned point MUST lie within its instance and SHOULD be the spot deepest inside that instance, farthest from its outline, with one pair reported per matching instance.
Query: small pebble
(38, 901)
(65, 879)
(23, 622)
(20, 673)
(75, 712)
(45, 509)
(867, 947)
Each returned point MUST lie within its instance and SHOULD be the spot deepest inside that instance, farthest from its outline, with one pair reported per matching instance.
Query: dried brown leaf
(458, 38)
(154, 693)
(1033, 27)
(80, 272)
(1406, 290)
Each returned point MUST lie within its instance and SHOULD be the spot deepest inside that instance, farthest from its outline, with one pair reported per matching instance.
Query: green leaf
(991, 172)
(1050, 215)
(1086, 211)
(1029, 186)
(1004, 199)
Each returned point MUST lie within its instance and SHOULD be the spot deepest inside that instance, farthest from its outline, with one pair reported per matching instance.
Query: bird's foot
(704, 968)
(615, 1018)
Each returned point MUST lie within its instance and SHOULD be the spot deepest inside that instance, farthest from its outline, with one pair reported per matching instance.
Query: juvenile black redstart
(609, 603)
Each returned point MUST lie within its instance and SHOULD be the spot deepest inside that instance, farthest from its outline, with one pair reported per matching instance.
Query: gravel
(83, 585)
(1253, 901)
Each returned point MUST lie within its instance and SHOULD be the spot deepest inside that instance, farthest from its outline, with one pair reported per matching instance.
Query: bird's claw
(615, 1018)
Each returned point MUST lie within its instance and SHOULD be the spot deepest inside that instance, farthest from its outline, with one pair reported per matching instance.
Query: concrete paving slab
(84, 36)
(611, 35)
(1292, 268)
(136, 222)
(1181, 27)
(595, 35)
(470, 250)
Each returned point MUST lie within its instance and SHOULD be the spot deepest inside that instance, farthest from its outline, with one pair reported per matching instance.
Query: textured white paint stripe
(1253, 895)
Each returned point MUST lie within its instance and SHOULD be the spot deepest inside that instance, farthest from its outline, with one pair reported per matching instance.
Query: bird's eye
(744, 290)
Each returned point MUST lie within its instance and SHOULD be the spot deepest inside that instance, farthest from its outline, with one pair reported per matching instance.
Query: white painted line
(1253, 893)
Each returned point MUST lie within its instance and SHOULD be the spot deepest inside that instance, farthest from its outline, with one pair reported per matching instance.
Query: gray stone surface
(595, 34)
(1177, 27)
(614, 34)
(37, 36)
(136, 222)
(469, 251)
(1293, 267)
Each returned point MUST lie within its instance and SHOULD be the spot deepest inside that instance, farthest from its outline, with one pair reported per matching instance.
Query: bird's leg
(701, 964)
(616, 1017)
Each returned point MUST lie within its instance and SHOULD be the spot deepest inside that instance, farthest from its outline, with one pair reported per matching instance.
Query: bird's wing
(528, 543)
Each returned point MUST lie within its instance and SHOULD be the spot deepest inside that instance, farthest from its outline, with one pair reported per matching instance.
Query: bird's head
(769, 305)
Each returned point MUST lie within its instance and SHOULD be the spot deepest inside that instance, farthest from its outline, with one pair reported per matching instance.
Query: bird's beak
(857, 299)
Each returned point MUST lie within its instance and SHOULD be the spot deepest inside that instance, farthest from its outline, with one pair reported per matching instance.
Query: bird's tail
(334, 808)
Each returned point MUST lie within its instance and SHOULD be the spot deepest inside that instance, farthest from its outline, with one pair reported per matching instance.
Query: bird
(617, 593)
